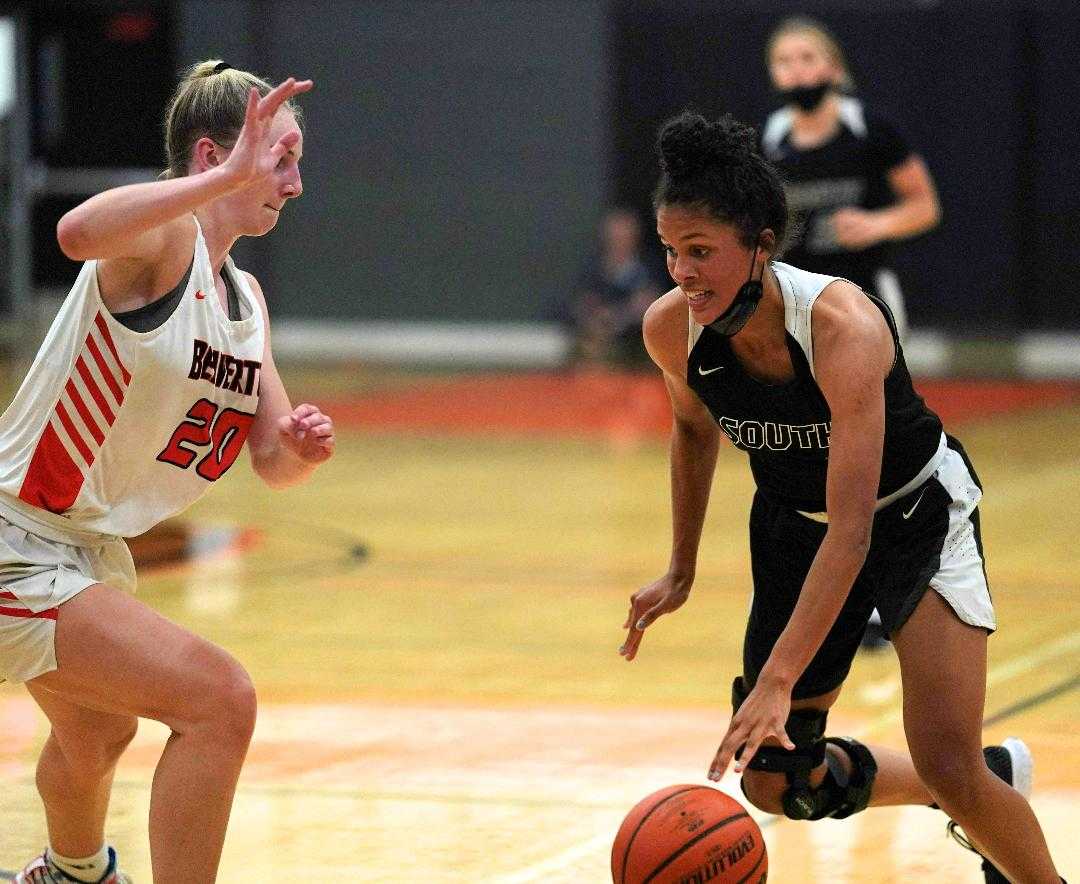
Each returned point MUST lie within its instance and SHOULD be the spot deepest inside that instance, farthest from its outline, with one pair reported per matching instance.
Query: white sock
(88, 868)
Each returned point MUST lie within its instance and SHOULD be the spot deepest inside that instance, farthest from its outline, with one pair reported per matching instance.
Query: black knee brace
(806, 728)
(839, 795)
(848, 794)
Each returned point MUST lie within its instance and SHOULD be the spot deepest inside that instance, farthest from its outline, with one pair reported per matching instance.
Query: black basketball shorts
(927, 539)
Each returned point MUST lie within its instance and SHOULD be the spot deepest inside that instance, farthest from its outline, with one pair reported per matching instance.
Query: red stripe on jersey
(95, 390)
(9, 595)
(106, 372)
(47, 614)
(104, 329)
(73, 434)
(52, 480)
(80, 406)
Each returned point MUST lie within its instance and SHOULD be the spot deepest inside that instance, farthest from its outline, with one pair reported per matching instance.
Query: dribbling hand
(253, 157)
(307, 433)
(660, 597)
(762, 716)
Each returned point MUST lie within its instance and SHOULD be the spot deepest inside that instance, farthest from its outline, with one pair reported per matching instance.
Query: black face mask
(732, 320)
(808, 98)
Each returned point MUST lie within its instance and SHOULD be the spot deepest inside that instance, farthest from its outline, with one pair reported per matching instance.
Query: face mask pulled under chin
(733, 320)
(807, 98)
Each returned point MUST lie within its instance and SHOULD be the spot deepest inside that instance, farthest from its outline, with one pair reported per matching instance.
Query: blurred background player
(154, 373)
(612, 292)
(854, 185)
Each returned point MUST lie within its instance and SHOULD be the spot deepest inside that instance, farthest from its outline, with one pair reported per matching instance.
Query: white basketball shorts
(37, 575)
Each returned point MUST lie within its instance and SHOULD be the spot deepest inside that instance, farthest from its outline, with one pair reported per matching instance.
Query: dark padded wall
(1052, 230)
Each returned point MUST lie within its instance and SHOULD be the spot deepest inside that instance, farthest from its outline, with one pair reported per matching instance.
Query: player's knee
(820, 777)
(764, 791)
(226, 708)
(833, 777)
(808, 782)
(949, 773)
(236, 714)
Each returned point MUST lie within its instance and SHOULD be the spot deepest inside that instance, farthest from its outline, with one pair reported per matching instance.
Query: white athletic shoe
(42, 870)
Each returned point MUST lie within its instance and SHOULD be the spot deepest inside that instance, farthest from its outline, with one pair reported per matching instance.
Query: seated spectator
(612, 292)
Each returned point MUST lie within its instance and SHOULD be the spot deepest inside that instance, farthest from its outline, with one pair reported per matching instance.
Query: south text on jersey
(224, 370)
(752, 435)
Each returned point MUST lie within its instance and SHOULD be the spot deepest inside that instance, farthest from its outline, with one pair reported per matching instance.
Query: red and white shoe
(42, 870)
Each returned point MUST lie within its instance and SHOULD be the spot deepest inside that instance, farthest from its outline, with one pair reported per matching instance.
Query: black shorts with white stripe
(929, 538)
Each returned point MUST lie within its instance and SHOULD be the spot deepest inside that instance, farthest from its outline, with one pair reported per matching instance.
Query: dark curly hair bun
(716, 167)
(691, 145)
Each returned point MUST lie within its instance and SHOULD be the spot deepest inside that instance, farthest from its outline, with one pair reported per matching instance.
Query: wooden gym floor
(433, 626)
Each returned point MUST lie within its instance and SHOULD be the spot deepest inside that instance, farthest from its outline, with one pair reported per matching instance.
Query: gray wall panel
(454, 164)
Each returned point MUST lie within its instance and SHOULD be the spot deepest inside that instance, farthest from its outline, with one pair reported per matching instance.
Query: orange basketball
(688, 835)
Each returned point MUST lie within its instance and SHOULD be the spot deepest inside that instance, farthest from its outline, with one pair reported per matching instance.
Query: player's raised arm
(133, 221)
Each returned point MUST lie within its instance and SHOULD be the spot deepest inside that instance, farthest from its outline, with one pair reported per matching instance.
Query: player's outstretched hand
(254, 156)
(762, 715)
(660, 597)
(307, 433)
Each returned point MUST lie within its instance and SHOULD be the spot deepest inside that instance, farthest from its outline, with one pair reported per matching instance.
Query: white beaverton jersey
(115, 430)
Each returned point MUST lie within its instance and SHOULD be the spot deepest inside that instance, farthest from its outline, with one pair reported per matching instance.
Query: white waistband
(45, 524)
(925, 473)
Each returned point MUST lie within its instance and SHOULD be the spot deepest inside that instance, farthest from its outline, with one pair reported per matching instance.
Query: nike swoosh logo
(701, 371)
(907, 515)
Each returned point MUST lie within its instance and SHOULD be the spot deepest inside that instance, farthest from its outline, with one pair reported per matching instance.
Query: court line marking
(1001, 672)
(1010, 668)
(558, 862)
(887, 688)
(1022, 705)
(277, 790)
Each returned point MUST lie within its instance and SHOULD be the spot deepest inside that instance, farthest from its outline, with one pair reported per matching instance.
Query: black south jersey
(785, 428)
(851, 169)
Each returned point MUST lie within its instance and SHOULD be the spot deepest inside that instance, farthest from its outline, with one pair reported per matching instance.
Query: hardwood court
(433, 625)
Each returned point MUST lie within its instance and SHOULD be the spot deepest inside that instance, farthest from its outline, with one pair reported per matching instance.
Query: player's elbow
(270, 474)
(264, 465)
(925, 210)
(279, 469)
(933, 212)
(71, 236)
(700, 431)
(850, 526)
(851, 538)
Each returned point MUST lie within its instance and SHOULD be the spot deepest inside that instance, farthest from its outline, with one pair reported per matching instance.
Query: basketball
(688, 834)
